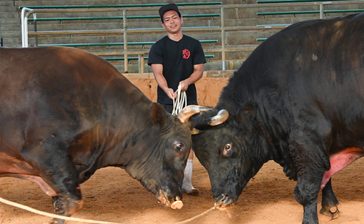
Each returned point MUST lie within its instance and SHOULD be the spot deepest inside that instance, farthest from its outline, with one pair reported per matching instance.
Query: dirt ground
(112, 195)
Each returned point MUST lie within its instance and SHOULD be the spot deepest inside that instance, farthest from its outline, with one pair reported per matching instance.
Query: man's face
(172, 23)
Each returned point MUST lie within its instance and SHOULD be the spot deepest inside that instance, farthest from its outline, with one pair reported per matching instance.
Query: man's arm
(194, 77)
(162, 82)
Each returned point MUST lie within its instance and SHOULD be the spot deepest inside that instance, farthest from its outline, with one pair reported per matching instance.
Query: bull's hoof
(177, 205)
(332, 212)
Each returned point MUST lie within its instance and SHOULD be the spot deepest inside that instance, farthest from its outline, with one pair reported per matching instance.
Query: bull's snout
(177, 204)
(174, 202)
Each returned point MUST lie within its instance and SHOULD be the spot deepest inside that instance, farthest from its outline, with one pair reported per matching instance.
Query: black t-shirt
(178, 59)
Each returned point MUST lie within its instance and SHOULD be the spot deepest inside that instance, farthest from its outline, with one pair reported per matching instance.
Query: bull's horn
(219, 118)
(195, 131)
(191, 110)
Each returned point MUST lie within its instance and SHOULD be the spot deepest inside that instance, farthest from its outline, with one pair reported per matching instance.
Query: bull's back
(33, 74)
(327, 63)
(35, 81)
(51, 90)
(325, 66)
(312, 68)
(321, 60)
(54, 65)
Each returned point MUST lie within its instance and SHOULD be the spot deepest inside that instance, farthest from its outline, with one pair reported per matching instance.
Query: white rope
(29, 209)
(180, 101)
(196, 216)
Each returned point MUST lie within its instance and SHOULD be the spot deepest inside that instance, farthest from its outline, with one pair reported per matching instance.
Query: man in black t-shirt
(176, 60)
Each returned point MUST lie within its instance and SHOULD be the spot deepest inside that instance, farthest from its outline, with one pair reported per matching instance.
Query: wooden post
(222, 27)
(125, 36)
(141, 63)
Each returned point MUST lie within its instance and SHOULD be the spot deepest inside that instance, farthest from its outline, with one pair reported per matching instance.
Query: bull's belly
(341, 160)
(13, 167)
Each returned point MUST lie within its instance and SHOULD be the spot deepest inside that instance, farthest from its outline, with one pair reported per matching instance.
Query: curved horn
(191, 110)
(219, 118)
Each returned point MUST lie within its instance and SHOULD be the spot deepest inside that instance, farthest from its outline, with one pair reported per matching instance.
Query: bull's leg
(329, 202)
(311, 163)
(306, 193)
(56, 168)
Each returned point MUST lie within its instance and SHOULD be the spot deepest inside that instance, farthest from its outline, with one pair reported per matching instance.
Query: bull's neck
(126, 126)
(123, 147)
(135, 148)
(270, 117)
(275, 137)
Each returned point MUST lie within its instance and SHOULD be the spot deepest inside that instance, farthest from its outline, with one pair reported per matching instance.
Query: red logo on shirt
(186, 54)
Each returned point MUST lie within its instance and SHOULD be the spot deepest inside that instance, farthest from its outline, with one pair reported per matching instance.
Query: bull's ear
(158, 114)
(195, 131)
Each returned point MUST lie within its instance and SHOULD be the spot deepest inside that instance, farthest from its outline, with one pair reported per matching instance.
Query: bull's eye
(227, 147)
(228, 150)
(178, 147)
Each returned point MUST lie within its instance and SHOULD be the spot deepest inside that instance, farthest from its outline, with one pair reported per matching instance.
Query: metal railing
(221, 28)
(27, 12)
(321, 11)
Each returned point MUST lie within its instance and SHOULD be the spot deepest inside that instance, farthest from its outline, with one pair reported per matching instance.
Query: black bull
(298, 100)
(65, 113)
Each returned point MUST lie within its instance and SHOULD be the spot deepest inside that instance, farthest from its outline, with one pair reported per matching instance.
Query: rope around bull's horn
(180, 101)
(35, 211)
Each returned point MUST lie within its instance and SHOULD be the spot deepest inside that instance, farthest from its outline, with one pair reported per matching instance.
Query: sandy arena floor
(112, 195)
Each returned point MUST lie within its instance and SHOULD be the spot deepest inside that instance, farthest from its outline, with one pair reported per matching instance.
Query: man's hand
(170, 93)
(184, 85)
(196, 75)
